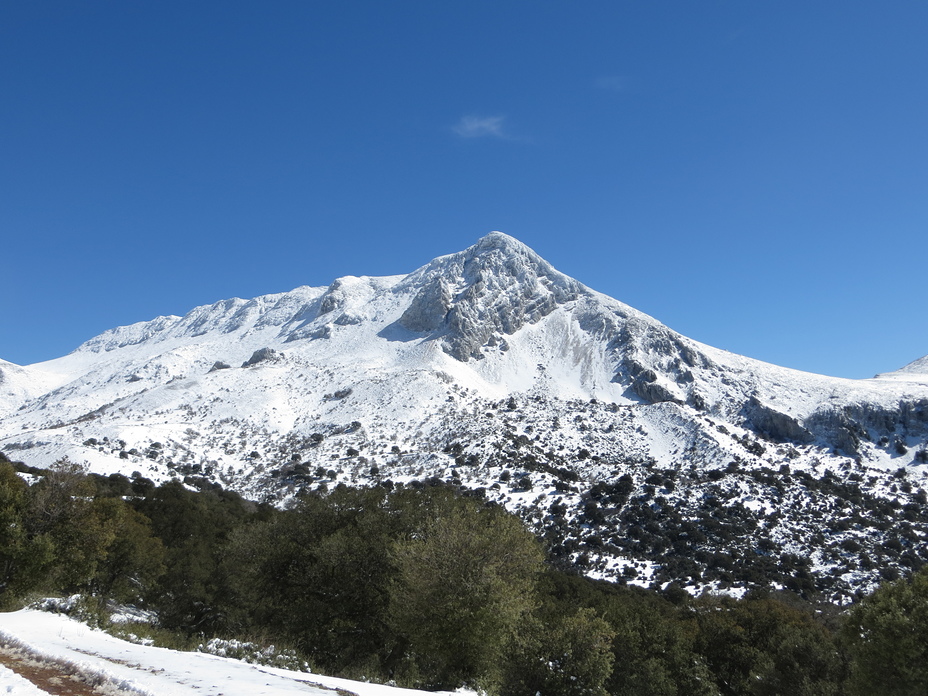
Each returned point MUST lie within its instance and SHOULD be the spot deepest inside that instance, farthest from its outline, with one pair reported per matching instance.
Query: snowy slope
(915, 371)
(479, 362)
(148, 671)
(495, 319)
(20, 384)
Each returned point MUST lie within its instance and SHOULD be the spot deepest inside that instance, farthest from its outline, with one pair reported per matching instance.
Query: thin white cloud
(611, 83)
(480, 127)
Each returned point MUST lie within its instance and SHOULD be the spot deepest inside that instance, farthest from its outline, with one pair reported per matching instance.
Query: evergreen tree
(654, 647)
(887, 636)
(62, 510)
(567, 655)
(192, 596)
(762, 646)
(465, 580)
(316, 575)
(25, 558)
(134, 558)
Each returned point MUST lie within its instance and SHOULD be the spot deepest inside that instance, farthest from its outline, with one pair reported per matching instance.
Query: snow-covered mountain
(490, 369)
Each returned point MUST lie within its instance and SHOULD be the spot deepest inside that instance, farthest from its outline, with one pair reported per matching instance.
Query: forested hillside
(427, 586)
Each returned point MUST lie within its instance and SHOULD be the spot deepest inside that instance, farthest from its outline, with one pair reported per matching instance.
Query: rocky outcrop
(429, 308)
(492, 289)
(773, 424)
(334, 298)
(263, 355)
(845, 426)
(834, 426)
(645, 383)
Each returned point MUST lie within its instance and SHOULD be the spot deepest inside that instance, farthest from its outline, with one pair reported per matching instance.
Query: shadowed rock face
(774, 425)
(844, 426)
(493, 288)
(263, 355)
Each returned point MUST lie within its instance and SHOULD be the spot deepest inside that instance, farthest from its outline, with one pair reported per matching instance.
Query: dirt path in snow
(55, 678)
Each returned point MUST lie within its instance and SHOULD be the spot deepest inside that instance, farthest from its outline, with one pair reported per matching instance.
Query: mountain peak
(498, 244)
(491, 289)
(915, 371)
(919, 366)
(502, 255)
(500, 240)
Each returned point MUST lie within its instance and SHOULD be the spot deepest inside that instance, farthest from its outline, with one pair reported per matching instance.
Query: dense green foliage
(60, 534)
(765, 647)
(888, 635)
(432, 587)
(464, 582)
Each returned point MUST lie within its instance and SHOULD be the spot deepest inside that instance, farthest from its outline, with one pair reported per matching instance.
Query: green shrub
(887, 637)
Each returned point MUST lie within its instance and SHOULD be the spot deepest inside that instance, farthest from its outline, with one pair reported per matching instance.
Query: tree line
(430, 586)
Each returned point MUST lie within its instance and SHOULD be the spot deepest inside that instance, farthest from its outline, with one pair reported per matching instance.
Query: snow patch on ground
(12, 683)
(150, 671)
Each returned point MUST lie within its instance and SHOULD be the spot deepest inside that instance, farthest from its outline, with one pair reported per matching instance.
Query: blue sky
(753, 174)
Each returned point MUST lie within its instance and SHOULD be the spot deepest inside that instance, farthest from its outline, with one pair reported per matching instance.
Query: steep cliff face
(475, 298)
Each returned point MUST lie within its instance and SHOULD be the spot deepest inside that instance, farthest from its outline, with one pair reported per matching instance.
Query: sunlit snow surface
(156, 381)
(12, 683)
(149, 671)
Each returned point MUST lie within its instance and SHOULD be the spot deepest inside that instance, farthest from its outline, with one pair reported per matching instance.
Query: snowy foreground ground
(140, 670)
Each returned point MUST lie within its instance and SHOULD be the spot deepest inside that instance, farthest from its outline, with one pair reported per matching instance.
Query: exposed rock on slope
(472, 299)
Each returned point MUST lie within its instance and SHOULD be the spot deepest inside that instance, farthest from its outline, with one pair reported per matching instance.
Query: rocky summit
(640, 455)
